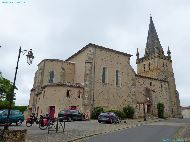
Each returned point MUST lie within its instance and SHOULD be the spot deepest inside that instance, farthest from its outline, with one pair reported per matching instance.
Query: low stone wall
(13, 135)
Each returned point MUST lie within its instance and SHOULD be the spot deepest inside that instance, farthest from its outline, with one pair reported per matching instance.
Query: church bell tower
(155, 64)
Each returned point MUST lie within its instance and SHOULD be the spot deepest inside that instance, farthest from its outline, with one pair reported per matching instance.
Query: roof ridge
(97, 46)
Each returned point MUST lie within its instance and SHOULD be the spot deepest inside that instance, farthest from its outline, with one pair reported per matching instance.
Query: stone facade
(98, 76)
(185, 112)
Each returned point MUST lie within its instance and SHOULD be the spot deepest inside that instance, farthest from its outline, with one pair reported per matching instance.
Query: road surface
(156, 132)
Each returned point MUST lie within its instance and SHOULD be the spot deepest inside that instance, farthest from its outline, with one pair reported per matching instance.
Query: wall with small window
(113, 79)
(54, 71)
(104, 75)
(159, 92)
(117, 78)
(62, 97)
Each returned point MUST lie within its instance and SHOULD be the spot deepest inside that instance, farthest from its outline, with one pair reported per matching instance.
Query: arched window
(117, 78)
(104, 75)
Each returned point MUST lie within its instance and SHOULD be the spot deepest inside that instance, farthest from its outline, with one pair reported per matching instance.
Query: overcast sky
(59, 28)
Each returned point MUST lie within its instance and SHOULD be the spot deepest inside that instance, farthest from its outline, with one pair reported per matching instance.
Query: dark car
(70, 115)
(15, 117)
(108, 117)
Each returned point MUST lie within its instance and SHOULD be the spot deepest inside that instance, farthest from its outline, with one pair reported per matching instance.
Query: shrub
(160, 108)
(21, 108)
(129, 111)
(96, 112)
(120, 114)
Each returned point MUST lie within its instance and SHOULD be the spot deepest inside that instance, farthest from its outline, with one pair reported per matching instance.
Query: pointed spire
(153, 45)
(137, 53)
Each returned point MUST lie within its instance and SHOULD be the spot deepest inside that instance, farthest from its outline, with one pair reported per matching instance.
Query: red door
(51, 111)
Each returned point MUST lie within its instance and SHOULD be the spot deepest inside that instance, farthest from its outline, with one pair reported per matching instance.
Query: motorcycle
(43, 122)
(31, 120)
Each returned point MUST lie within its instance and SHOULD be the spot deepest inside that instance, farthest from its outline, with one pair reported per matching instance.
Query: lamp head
(30, 57)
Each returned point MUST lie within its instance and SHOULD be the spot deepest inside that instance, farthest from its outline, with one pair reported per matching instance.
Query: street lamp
(30, 57)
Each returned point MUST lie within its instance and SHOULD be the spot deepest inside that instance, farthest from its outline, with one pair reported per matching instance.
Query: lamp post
(30, 57)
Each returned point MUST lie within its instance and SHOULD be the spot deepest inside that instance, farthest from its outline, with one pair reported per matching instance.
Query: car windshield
(104, 114)
(74, 111)
(65, 111)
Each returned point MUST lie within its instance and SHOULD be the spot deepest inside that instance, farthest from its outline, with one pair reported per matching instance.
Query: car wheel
(19, 122)
(69, 119)
(99, 121)
(28, 124)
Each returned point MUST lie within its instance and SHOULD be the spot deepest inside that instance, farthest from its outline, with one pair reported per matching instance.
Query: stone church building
(98, 76)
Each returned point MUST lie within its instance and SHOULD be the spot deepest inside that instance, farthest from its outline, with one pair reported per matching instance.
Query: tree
(160, 108)
(96, 112)
(6, 90)
(129, 111)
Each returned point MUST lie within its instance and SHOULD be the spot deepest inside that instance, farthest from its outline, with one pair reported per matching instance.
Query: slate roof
(153, 44)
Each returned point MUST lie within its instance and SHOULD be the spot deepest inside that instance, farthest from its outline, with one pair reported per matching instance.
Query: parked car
(108, 117)
(15, 117)
(70, 115)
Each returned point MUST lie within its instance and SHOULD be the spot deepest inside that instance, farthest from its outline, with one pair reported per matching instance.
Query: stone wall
(186, 113)
(58, 96)
(109, 95)
(154, 67)
(79, 61)
(14, 135)
(158, 92)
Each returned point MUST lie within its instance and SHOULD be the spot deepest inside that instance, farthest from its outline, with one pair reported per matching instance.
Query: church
(97, 76)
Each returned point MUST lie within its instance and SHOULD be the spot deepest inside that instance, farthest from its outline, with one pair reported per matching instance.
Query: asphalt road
(139, 134)
(156, 132)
